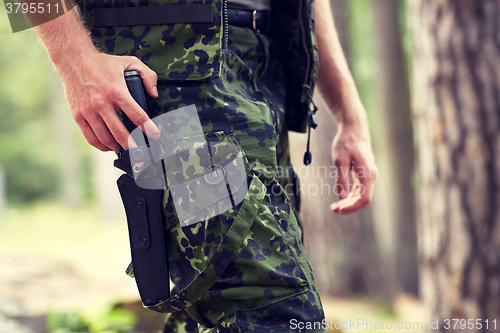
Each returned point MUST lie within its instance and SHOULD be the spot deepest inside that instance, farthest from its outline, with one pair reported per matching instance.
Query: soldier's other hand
(96, 89)
(352, 156)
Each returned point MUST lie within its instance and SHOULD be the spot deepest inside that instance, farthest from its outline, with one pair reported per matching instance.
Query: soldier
(249, 68)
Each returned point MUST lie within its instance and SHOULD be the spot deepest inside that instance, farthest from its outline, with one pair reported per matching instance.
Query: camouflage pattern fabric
(244, 270)
(205, 174)
(267, 280)
(193, 51)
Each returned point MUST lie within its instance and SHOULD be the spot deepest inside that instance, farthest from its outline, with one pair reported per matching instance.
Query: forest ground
(62, 261)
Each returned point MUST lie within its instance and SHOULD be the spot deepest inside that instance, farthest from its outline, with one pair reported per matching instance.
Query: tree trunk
(342, 249)
(456, 111)
(394, 201)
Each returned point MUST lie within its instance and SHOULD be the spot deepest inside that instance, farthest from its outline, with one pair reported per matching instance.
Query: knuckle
(93, 142)
(341, 160)
(139, 118)
(97, 103)
(120, 135)
(84, 111)
(108, 142)
(112, 93)
(133, 59)
(78, 117)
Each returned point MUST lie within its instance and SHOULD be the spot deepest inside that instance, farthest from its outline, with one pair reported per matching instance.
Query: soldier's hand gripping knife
(141, 190)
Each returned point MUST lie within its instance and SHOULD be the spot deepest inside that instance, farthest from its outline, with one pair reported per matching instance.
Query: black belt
(152, 15)
(155, 15)
(258, 20)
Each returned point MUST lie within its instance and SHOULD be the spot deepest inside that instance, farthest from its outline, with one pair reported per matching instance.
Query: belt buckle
(254, 20)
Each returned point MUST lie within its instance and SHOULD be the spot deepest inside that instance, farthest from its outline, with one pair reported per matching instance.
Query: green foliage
(110, 321)
(66, 322)
(29, 152)
(362, 45)
(4, 20)
(26, 153)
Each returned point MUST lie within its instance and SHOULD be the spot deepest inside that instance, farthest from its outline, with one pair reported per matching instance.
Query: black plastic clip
(311, 123)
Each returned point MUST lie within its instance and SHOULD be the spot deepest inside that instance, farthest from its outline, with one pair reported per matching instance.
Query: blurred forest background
(427, 248)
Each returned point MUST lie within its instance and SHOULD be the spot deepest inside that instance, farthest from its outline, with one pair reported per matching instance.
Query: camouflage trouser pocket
(245, 258)
(269, 266)
(199, 253)
(206, 175)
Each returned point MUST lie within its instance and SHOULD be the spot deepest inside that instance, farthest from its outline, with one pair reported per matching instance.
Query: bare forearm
(94, 83)
(351, 147)
(335, 82)
(65, 40)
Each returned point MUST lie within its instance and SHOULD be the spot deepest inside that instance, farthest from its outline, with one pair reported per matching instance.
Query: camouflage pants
(245, 270)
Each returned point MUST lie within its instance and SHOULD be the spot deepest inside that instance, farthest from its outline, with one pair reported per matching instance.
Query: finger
(118, 129)
(368, 180)
(365, 180)
(359, 197)
(348, 199)
(354, 203)
(103, 134)
(148, 76)
(343, 181)
(133, 144)
(120, 132)
(137, 115)
(336, 206)
(89, 134)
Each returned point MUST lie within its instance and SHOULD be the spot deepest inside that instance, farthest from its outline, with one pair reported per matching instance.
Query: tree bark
(456, 109)
(394, 201)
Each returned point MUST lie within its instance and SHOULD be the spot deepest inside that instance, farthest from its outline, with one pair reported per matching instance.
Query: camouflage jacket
(193, 51)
